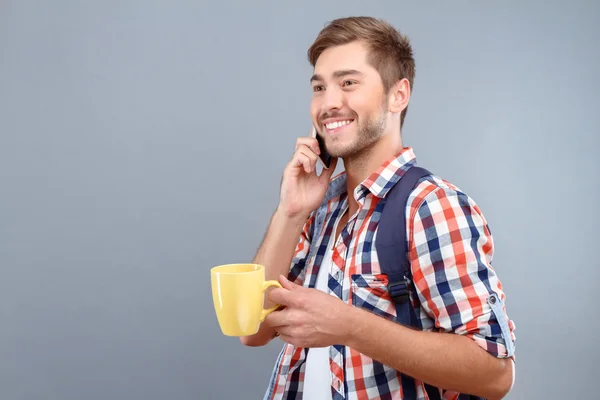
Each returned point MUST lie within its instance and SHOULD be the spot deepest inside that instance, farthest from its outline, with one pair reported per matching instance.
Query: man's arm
(445, 360)
(279, 247)
(302, 191)
(453, 362)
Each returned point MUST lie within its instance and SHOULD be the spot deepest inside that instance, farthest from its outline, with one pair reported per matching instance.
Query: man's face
(349, 106)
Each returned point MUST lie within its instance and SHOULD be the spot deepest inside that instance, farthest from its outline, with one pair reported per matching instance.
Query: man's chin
(339, 150)
(344, 153)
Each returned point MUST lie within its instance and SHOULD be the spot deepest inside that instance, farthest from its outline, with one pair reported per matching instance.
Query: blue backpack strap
(392, 252)
(391, 243)
(393, 259)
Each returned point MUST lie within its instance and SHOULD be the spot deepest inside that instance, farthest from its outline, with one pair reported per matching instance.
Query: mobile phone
(324, 157)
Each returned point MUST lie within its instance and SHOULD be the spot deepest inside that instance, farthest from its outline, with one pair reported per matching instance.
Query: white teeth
(337, 124)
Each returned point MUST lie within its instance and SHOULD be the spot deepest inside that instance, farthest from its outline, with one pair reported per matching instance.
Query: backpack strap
(391, 242)
(391, 245)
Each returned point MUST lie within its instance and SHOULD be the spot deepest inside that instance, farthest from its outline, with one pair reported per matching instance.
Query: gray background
(142, 143)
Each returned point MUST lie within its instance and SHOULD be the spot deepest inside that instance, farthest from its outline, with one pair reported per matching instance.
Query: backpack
(391, 246)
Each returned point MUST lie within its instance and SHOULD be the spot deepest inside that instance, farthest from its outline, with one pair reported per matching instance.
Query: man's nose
(333, 100)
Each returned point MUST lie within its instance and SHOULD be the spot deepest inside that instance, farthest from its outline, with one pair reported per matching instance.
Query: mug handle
(264, 312)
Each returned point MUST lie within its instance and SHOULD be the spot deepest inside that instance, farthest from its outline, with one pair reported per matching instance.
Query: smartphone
(325, 158)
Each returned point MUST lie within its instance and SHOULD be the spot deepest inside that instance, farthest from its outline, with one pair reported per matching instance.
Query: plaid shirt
(450, 248)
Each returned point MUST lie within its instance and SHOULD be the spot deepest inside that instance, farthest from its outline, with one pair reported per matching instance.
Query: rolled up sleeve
(451, 253)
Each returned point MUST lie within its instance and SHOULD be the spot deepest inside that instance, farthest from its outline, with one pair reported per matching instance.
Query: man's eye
(318, 88)
(347, 83)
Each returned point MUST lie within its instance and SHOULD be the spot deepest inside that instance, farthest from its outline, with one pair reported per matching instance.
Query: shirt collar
(379, 182)
(387, 175)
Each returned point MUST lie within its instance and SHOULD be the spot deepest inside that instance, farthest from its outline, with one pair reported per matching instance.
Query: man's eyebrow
(337, 74)
(316, 77)
(345, 72)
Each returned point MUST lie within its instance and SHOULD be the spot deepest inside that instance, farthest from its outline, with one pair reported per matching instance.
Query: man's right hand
(302, 191)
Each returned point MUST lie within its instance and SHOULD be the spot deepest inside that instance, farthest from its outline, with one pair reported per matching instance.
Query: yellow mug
(238, 294)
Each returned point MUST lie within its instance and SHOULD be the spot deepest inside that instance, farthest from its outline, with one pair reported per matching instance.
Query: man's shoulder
(432, 187)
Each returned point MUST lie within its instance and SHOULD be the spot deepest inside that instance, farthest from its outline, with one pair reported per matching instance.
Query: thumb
(327, 173)
(287, 284)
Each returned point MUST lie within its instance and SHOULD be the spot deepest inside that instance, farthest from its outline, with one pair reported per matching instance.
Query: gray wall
(142, 143)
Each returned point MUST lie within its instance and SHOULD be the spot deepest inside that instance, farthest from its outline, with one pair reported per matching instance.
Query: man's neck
(361, 166)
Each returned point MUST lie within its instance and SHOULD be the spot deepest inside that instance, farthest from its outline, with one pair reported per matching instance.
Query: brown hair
(390, 52)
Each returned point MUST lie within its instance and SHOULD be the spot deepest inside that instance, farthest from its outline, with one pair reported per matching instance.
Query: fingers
(309, 142)
(278, 319)
(287, 284)
(279, 296)
(285, 338)
(290, 296)
(304, 157)
(286, 331)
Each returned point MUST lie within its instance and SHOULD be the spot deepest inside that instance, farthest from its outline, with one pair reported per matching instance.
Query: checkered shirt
(450, 249)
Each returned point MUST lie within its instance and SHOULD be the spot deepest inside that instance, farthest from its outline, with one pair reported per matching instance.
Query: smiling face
(349, 105)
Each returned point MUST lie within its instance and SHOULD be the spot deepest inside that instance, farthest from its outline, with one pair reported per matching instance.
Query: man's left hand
(311, 318)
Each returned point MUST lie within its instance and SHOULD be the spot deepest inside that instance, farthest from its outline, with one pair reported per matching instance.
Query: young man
(342, 340)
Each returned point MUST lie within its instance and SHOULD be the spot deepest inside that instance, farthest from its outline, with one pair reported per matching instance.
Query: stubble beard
(370, 130)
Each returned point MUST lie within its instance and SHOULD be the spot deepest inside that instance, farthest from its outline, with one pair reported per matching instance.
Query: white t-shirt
(317, 373)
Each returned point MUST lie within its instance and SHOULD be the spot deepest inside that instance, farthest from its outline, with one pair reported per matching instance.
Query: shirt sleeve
(451, 254)
(298, 265)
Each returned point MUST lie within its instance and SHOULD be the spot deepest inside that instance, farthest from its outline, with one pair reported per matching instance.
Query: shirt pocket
(370, 292)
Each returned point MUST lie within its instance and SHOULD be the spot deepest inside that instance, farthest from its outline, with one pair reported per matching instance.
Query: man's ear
(399, 96)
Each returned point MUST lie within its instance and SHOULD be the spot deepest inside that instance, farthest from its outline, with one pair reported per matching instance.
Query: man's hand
(311, 318)
(302, 190)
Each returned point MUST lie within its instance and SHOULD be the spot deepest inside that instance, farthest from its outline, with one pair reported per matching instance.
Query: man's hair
(390, 52)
